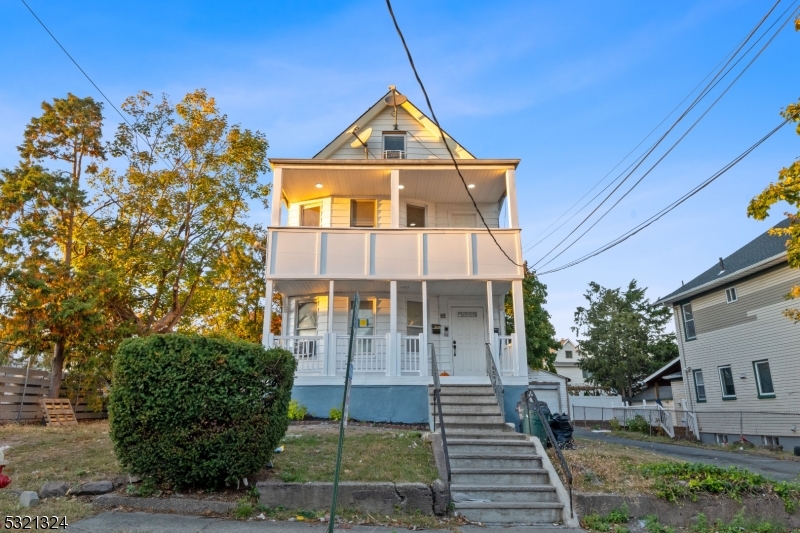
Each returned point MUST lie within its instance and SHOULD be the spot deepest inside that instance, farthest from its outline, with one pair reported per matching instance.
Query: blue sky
(568, 87)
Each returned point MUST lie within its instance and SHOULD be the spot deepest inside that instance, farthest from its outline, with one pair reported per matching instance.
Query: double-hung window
(699, 385)
(726, 383)
(688, 322)
(730, 295)
(763, 379)
(568, 354)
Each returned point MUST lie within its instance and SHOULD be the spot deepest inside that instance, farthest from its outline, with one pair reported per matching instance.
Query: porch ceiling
(435, 288)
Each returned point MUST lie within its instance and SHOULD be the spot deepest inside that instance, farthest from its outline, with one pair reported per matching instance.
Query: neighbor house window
(688, 322)
(568, 353)
(306, 318)
(726, 382)
(394, 145)
(310, 215)
(764, 379)
(699, 386)
(586, 374)
(362, 213)
(415, 216)
(414, 324)
(730, 294)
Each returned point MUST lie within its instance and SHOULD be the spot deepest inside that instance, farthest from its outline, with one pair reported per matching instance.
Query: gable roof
(374, 111)
(670, 368)
(762, 252)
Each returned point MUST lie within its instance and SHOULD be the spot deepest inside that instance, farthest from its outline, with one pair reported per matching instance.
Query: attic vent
(721, 266)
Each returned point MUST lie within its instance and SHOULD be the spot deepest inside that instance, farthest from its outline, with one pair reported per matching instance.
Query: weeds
(335, 414)
(653, 525)
(297, 411)
(612, 522)
(738, 525)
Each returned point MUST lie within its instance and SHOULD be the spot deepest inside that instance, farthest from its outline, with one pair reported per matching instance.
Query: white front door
(468, 340)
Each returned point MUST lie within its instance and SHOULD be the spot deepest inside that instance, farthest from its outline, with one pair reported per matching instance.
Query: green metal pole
(347, 381)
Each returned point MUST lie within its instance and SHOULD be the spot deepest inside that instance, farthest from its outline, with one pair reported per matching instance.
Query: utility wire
(791, 16)
(712, 84)
(441, 133)
(630, 233)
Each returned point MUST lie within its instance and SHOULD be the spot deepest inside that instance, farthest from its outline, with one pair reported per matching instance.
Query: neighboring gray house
(660, 387)
(739, 353)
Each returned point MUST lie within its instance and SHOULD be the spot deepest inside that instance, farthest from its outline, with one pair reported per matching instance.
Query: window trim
(424, 214)
(568, 354)
(722, 383)
(696, 391)
(762, 395)
(374, 213)
(297, 304)
(731, 291)
(310, 205)
(683, 317)
(403, 135)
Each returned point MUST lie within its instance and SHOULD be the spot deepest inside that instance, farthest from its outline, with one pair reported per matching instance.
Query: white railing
(370, 353)
(506, 353)
(309, 351)
(411, 354)
(665, 421)
(691, 424)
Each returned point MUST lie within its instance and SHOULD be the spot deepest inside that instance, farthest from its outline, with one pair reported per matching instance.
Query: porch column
(267, 314)
(490, 321)
(392, 365)
(277, 196)
(519, 329)
(395, 198)
(511, 198)
(284, 314)
(330, 306)
(423, 350)
(330, 337)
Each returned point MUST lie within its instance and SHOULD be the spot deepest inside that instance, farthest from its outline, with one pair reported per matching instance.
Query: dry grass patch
(603, 467)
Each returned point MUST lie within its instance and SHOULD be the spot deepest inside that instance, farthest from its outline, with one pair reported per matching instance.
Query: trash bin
(531, 423)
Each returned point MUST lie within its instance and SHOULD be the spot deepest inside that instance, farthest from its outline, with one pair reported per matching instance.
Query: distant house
(663, 387)
(739, 353)
(566, 364)
(550, 388)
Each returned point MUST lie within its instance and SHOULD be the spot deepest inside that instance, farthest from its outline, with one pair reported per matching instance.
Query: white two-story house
(381, 212)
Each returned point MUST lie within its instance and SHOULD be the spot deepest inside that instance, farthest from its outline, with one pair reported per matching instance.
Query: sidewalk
(778, 469)
(168, 523)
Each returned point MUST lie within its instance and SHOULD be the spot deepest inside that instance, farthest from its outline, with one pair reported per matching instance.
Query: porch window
(414, 324)
(699, 386)
(306, 318)
(365, 321)
(362, 213)
(688, 322)
(415, 216)
(310, 215)
(394, 145)
(764, 379)
(726, 382)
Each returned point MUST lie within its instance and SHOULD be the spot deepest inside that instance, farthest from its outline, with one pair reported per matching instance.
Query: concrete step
(486, 461)
(485, 431)
(489, 445)
(457, 409)
(503, 493)
(490, 399)
(472, 418)
(464, 390)
(510, 513)
(499, 476)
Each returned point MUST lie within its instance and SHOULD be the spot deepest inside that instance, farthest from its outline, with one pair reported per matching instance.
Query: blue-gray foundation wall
(405, 404)
(511, 395)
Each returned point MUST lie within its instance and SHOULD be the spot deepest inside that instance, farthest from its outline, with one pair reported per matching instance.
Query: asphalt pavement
(118, 522)
(775, 468)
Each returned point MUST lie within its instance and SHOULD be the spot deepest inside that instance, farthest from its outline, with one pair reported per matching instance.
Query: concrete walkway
(779, 469)
(169, 523)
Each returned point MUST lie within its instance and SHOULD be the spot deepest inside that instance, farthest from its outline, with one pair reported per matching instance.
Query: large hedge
(197, 411)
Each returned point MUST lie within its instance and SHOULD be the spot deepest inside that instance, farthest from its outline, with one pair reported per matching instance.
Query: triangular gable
(423, 134)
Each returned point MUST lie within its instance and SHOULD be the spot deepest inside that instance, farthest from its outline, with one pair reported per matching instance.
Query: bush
(297, 411)
(335, 414)
(615, 425)
(195, 411)
(639, 425)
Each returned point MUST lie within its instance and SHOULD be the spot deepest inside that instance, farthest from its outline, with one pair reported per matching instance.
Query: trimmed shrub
(335, 414)
(197, 411)
(297, 411)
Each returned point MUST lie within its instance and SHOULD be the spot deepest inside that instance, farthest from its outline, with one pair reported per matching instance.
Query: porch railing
(506, 355)
(437, 405)
(370, 353)
(665, 421)
(494, 377)
(309, 351)
(411, 354)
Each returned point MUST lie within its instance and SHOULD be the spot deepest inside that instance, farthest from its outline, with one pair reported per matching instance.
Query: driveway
(779, 469)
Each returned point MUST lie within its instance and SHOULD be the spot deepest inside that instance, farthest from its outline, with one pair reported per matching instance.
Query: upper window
(730, 294)
(415, 216)
(309, 215)
(394, 145)
(699, 386)
(362, 213)
(413, 318)
(764, 379)
(726, 382)
(568, 353)
(307, 318)
(688, 322)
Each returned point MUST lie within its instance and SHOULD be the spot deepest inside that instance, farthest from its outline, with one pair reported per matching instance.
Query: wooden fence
(21, 390)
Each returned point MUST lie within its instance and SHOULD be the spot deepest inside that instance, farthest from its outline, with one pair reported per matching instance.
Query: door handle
(454, 348)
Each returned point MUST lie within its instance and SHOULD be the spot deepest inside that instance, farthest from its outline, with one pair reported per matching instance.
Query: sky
(570, 88)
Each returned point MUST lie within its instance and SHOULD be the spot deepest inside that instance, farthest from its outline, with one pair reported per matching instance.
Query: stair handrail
(437, 401)
(528, 397)
(494, 377)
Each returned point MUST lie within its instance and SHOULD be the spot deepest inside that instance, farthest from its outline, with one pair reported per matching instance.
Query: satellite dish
(395, 99)
(361, 138)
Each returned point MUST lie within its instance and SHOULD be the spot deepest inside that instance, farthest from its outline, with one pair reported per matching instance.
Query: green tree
(174, 223)
(623, 338)
(50, 286)
(540, 341)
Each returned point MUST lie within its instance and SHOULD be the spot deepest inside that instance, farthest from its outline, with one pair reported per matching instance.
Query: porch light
(401, 186)
(318, 185)
(471, 185)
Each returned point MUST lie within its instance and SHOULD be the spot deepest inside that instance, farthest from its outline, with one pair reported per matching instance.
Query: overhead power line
(441, 133)
(630, 233)
(706, 91)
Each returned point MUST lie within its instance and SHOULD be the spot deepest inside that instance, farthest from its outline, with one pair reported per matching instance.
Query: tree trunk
(56, 369)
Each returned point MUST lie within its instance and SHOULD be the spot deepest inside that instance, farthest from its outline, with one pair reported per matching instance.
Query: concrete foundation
(404, 404)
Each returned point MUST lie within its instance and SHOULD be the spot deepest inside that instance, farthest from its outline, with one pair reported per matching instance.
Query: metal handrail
(494, 377)
(530, 396)
(437, 400)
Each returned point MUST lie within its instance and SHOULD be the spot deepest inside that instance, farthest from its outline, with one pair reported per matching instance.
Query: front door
(468, 339)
